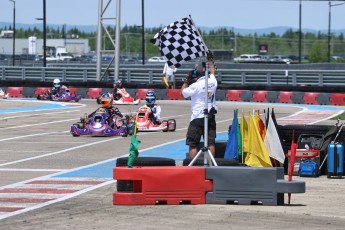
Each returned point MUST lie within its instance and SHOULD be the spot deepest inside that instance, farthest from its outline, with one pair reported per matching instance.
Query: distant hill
(280, 30)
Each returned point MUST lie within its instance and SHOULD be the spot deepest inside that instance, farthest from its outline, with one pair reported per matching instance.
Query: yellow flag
(257, 155)
(244, 135)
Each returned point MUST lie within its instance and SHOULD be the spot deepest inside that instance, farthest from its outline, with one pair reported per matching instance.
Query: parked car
(39, 57)
(156, 59)
(247, 58)
(280, 58)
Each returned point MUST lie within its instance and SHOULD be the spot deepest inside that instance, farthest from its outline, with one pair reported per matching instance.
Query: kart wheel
(74, 126)
(172, 125)
(125, 133)
(75, 135)
(77, 98)
(167, 128)
(98, 100)
(127, 185)
(79, 125)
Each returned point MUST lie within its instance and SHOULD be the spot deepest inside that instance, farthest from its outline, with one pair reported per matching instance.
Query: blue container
(335, 160)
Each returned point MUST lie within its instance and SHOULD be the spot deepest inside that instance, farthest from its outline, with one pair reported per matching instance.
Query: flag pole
(205, 148)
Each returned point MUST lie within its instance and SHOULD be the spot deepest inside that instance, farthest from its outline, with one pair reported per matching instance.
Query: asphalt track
(51, 180)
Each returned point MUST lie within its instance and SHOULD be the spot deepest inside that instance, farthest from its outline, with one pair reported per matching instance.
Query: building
(33, 45)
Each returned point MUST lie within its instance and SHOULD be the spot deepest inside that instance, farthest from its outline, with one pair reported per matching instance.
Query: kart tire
(98, 100)
(125, 134)
(219, 161)
(79, 125)
(172, 125)
(167, 129)
(73, 134)
(127, 185)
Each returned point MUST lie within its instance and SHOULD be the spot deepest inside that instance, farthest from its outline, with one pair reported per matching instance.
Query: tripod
(208, 157)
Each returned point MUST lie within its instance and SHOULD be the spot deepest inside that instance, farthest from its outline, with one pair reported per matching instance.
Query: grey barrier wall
(242, 75)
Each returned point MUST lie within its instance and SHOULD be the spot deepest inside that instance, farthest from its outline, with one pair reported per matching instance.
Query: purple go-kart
(99, 125)
(64, 95)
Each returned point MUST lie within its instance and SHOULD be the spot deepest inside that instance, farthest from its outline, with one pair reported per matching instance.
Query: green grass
(340, 117)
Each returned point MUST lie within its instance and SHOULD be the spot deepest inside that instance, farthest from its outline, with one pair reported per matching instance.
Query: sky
(244, 14)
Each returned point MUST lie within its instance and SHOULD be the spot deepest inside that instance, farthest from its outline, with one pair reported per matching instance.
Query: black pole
(14, 33)
(142, 32)
(329, 33)
(44, 35)
(300, 33)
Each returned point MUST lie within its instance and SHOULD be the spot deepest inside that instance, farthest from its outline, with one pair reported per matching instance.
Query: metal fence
(151, 74)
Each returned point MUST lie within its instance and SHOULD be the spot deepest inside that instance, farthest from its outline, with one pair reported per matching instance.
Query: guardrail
(152, 74)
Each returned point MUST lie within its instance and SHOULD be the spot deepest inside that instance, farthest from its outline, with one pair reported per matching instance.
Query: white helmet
(56, 82)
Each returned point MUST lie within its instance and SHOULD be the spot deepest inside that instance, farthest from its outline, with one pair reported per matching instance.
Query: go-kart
(145, 122)
(124, 99)
(99, 125)
(64, 95)
(3, 94)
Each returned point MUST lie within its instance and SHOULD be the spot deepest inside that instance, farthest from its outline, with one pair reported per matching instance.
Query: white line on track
(38, 114)
(31, 170)
(58, 152)
(46, 123)
(31, 135)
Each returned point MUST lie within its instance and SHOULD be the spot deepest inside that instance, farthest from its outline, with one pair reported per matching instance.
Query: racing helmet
(106, 100)
(150, 98)
(117, 84)
(56, 82)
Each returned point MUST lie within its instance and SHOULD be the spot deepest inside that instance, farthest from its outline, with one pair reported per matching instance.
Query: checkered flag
(180, 42)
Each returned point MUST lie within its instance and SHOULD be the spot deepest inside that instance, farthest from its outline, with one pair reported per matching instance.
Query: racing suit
(57, 90)
(155, 113)
(116, 95)
(111, 119)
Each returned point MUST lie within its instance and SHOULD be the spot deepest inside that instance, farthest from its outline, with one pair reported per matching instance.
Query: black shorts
(196, 130)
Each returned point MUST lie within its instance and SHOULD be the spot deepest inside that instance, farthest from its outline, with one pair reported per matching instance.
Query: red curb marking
(37, 190)
(307, 117)
(23, 200)
(64, 182)
(7, 209)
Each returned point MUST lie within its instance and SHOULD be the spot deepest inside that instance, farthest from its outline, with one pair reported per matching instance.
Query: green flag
(134, 146)
(133, 151)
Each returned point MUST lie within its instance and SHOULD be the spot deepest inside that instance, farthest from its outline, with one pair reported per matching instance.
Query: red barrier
(15, 91)
(141, 93)
(285, 97)
(94, 93)
(337, 99)
(163, 185)
(40, 90)
(174, 94)
(260, 96)
(73, 90)
(311, 98)
(233, 95)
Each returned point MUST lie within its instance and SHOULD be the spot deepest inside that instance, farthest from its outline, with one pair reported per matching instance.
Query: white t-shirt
(169, 70)
(197, 93)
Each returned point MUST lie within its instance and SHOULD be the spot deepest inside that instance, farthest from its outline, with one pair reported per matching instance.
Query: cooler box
(308, 147)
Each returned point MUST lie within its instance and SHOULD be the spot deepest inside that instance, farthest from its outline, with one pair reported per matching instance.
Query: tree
(318, 52)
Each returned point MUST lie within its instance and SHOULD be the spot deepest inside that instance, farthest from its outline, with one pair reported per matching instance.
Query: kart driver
(117, 85)
(107, 103)
(155, 109)
(56, 90)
